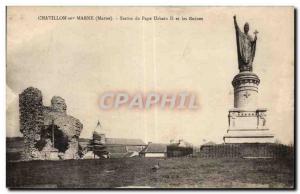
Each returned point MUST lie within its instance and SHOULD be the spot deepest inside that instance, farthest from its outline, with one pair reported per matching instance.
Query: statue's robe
(246, 49)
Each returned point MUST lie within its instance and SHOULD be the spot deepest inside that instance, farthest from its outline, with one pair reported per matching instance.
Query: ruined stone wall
(31, 119)
(49, 133)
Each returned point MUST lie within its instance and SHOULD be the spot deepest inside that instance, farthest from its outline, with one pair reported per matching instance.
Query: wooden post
(53, 133)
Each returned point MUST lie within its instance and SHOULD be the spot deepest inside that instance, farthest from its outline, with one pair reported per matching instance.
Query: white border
(153, 2)
(4, 3)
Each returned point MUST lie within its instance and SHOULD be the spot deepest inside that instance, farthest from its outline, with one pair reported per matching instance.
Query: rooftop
(155, 148)
(124, 141)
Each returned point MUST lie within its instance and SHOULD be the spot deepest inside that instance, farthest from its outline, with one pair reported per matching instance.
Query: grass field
(137, 172)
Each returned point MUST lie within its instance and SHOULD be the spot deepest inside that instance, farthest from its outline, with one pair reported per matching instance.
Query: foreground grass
(137, 172)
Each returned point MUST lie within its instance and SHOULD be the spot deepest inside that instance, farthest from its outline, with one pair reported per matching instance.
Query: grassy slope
(174, 172)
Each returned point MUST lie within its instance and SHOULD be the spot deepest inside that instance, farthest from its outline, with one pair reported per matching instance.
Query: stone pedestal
(245, 90)
(247, 123)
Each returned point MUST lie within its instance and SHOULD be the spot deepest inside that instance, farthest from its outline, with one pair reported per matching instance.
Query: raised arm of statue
(235, 24)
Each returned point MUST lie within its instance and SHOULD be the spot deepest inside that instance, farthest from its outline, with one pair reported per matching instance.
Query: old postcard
(150, 97)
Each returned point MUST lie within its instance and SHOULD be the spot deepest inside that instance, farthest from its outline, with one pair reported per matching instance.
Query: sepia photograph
(156, 97)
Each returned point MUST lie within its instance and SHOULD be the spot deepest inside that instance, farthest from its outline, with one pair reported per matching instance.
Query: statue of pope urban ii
(246, 46)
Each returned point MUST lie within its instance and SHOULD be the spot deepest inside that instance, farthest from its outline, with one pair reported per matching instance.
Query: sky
(80, 60)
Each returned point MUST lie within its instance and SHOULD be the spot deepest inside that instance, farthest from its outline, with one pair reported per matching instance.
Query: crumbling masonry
(49, 133)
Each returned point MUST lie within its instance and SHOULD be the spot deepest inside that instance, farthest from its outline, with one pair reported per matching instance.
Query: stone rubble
(39, 123)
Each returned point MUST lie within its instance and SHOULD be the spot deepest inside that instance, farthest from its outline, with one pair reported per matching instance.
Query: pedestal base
(253, 136)
(247, 126)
